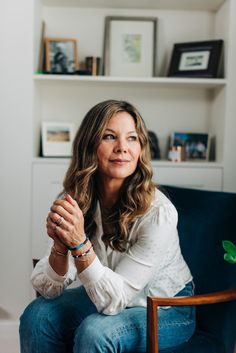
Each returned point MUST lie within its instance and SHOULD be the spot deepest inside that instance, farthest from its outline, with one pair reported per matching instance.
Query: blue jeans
(71, 323)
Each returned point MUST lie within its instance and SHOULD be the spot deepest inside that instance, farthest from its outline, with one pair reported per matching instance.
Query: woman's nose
(120, 147)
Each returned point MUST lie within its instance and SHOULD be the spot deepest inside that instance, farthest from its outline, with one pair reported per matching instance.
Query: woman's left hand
(66, 220)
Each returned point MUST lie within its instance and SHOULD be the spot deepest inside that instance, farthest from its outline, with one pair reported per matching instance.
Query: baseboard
(9, 336)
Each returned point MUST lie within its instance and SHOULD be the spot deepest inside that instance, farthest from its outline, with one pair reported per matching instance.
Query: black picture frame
(197, 59)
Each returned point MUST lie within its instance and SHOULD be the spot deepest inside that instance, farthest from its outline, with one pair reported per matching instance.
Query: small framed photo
(61, 55)
(57, 139)
(130, 46)
(197, 145)
(197, 59)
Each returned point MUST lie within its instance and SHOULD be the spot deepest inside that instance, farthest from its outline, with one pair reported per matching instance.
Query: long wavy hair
(81, 180)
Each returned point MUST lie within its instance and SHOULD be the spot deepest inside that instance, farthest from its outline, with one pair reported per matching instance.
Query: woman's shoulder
(161, 209)
(161, 198)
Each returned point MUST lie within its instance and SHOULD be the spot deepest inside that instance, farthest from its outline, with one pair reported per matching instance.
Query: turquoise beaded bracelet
(79, 246)
(86, 253)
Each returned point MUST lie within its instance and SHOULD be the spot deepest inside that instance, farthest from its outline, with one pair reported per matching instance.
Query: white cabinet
(48, 179)
(46, 186)
(192, 176)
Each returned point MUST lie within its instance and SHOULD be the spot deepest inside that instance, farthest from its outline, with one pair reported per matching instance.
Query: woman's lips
(119, 161)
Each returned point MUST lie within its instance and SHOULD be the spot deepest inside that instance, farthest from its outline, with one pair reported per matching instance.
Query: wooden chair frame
(154, 302)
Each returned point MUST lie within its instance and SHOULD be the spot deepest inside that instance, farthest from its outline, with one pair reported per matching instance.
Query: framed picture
(197, 59)
(57, 139)
(197, 145)
(61, 55)
(130, 46)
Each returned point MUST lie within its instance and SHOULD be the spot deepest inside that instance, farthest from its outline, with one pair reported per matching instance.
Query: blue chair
(206, 218)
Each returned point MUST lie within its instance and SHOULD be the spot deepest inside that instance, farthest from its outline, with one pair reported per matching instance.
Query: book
(92, 65)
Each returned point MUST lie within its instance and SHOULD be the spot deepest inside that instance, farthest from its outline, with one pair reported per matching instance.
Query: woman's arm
(113, 290)
(65, 226)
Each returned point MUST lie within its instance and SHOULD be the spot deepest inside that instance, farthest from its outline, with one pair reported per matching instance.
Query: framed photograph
(61, 55)
(197, 59)
(197, 145)
(57, 139)
(130, 46)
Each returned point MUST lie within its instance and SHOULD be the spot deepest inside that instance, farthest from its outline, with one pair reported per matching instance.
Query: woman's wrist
(83, 249)
(79, 245)
(60, 247)
(56, 252)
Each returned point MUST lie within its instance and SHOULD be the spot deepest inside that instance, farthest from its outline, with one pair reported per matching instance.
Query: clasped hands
(65, 223)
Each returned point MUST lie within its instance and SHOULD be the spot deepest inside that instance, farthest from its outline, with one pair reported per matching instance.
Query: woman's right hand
(65, 223)
(51, 226)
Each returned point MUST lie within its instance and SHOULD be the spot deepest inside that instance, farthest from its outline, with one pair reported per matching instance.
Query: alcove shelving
(166, 104)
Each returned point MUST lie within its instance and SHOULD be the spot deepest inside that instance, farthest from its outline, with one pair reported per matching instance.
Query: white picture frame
(57, 139)
(130, 46)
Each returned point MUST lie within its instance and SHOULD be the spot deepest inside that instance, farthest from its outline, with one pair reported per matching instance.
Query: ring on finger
(59, 221)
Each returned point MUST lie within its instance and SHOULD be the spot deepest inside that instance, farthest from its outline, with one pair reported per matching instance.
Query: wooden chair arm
(200, 299)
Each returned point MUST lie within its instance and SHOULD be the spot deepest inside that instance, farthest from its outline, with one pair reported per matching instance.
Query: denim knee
(30, 327)
(93, 336)
(31, 316)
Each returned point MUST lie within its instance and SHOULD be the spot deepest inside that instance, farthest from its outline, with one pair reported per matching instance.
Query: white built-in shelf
(157, 81)
(208, 5)
(155, 163)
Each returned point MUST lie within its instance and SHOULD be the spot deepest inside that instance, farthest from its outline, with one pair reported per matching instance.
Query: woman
(115, 232)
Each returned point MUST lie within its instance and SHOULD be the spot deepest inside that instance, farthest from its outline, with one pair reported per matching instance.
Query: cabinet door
(189, 177)
(47, 184)
(48, 179)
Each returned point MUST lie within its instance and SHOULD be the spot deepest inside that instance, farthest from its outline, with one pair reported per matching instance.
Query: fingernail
(68, 197)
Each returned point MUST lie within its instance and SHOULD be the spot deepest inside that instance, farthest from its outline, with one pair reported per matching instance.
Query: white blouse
(153, 264)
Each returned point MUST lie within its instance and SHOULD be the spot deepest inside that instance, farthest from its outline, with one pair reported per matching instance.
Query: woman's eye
(108, 137)
(132, 138)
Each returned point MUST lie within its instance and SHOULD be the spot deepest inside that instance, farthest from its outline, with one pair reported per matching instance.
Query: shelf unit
(167, 104)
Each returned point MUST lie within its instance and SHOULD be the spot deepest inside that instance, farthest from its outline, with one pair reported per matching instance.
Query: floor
(9, 338)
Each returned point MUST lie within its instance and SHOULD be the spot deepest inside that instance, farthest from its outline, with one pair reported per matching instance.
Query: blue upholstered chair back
(205, 219)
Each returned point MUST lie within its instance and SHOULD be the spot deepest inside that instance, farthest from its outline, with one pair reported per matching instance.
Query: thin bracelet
(55, 251)
(79, 246)
(86, 253)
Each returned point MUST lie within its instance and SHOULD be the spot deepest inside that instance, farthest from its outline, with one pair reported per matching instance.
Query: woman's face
(120, 148)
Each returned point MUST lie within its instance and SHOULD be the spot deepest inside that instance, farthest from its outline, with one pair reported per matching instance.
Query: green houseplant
(230, 248)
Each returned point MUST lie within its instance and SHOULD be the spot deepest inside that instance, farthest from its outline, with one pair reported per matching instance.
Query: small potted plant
(230, 248)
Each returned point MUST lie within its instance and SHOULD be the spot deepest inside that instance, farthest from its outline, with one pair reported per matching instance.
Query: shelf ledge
(192, 5)
(157, 81)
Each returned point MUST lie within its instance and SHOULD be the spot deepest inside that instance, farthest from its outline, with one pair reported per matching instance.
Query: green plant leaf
(229, 258)
(229, 247)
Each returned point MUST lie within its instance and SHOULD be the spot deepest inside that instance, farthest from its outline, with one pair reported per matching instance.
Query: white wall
(15, 154)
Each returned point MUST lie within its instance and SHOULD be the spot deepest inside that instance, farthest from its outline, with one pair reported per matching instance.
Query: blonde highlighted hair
(81, 178)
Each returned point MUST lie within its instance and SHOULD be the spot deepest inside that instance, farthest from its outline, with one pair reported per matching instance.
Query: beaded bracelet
(79, 246)
(86, 253)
